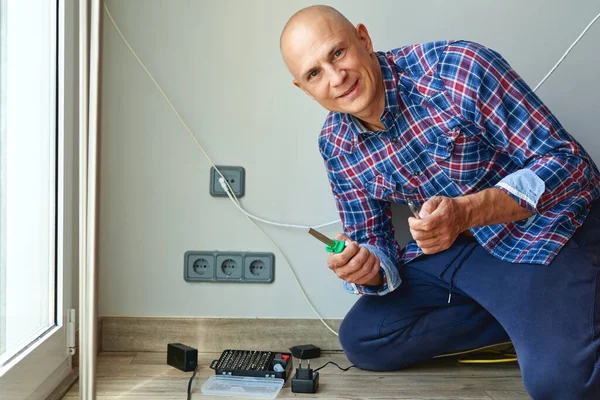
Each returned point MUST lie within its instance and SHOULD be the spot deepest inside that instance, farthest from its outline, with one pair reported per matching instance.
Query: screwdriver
(414, 209)
(332, 246)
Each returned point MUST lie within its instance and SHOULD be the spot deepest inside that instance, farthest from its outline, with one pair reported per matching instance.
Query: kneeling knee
(367, 351)
(352, 342)
(561, 381)
(358, 346)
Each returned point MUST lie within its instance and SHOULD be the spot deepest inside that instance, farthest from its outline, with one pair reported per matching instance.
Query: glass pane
(27, 172)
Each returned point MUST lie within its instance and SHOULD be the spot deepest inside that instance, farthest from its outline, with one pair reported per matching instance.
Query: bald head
(305, 20)
(333, 61)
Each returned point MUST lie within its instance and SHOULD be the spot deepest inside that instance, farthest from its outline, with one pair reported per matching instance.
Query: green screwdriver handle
(337, 246)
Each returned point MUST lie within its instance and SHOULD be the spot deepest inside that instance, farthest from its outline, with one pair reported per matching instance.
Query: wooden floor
(147, 376)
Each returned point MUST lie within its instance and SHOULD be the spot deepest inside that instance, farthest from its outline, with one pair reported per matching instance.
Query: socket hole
(232, 181)
(200, 266)
(256, 266)
(228, 266)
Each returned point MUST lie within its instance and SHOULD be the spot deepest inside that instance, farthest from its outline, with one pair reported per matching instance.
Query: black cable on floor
(331, 362)
(189, 396)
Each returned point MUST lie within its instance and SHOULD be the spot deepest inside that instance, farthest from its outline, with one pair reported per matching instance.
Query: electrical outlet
(229, 267)
(236, 177)
(259, 267)
(199, 266)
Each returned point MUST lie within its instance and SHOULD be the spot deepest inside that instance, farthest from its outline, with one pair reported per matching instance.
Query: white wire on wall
(228, 189)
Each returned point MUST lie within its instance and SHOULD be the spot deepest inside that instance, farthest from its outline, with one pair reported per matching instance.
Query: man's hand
(355, 264)
(442, 220)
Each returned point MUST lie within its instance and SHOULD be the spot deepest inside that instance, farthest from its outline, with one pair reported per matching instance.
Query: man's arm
(444, 218)
(489, 207)
(368, 227)
(554, 169)
(555, 172)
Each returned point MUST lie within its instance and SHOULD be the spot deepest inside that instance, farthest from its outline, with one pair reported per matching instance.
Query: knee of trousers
(554, 379)
(365, 350)
(356, 345)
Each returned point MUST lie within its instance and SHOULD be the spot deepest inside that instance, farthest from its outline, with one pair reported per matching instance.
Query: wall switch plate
(199, 266)
(236, 177)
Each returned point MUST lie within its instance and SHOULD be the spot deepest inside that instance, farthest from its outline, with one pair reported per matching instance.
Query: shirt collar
(390, 82)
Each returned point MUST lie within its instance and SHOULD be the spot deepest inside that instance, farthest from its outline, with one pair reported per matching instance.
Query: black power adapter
(306, 380)
(306, 351)
(182, 357)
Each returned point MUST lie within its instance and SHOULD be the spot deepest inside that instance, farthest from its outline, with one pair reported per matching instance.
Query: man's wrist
(488, 207)
(468, 208)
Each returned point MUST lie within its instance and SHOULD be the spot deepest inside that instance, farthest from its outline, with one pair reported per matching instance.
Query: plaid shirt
(458, 119)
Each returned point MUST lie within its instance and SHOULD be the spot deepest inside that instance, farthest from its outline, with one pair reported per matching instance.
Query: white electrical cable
(223, 181)
(194, 137)
(228, 188)
(239, 207)
(293, 274)
(566, 52)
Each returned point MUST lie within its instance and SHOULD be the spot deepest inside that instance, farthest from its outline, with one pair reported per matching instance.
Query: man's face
(335, 66)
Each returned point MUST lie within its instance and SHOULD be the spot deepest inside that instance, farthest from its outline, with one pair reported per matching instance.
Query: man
(507, 243)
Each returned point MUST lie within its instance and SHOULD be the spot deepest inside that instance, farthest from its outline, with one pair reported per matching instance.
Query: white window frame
(36, 371)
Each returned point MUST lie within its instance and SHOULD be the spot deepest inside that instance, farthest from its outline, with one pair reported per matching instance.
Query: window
(28, 173)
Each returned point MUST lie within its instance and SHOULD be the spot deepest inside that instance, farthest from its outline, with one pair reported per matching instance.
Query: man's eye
(313, 74)
(338, 53)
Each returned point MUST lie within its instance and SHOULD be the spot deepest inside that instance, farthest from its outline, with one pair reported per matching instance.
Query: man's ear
(304, 90)
(363, 35)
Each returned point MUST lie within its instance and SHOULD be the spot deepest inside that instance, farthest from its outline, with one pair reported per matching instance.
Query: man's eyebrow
(332, 50)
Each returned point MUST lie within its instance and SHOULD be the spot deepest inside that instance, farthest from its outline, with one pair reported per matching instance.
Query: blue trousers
(550, 313)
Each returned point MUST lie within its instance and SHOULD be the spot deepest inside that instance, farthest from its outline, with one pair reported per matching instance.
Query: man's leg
(415, 322)
(552, 313)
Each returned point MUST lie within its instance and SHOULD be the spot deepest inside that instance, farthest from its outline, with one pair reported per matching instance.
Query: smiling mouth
(349, 90)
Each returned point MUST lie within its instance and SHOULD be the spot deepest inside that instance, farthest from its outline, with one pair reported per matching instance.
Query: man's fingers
(422, 235)
(354, 264)
(425, 224)
(370, 270)
(433, 250)
(341, 236)
(430, 206)
(346, 270)
(357, 275)
(338, 260)
(431, 243)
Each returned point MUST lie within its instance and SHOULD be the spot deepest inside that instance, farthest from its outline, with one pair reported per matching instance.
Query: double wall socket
(236, 177)
(227, 266)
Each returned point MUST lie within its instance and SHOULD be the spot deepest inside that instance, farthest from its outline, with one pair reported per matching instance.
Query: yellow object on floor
(488, 357)
(495, 353)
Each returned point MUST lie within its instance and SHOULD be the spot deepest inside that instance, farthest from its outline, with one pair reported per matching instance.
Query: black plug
(305, 380)
(306, 351)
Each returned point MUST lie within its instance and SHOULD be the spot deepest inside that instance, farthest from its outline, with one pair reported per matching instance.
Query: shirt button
(417, 173)
(395, 140)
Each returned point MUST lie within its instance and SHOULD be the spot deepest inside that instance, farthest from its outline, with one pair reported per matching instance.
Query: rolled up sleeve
(553, 168)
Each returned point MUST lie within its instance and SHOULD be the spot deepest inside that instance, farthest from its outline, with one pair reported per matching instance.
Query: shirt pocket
(463, 157)
(380, 187)
(386, 187)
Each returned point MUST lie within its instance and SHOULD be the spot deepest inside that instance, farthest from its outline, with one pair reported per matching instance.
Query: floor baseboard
(65, 385)
(215, 334)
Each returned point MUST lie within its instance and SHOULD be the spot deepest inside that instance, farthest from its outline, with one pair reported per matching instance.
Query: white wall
(219, 63)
